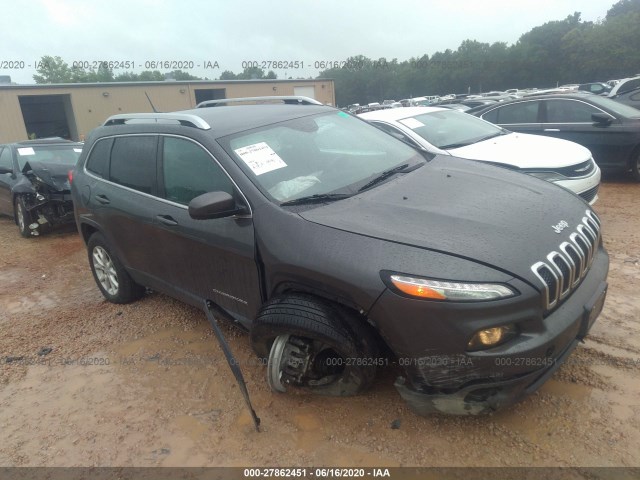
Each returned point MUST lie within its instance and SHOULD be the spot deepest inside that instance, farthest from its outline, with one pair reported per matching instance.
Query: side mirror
(4, 170)
(601, 118)
(213, 205)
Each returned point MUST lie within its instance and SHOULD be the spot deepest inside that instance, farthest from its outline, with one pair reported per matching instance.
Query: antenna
(151, 103)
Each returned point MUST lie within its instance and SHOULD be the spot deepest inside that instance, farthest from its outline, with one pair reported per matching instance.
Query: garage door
(305, 91)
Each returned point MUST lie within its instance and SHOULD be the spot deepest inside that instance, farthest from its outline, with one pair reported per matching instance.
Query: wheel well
(86, 231)
(632, 158)
(340, 302)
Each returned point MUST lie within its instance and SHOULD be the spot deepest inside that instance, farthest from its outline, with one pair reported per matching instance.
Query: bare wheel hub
(301, 362)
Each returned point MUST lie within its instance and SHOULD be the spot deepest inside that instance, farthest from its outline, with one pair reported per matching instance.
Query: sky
(212, 36)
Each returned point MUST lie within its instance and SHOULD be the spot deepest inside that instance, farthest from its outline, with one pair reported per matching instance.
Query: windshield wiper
(388, 173)
(317, 198)
(482, 139)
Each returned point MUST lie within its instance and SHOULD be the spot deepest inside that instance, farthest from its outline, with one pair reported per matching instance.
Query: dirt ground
(146, 384)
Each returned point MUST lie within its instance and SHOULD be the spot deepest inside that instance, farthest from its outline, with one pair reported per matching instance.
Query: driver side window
(189, 171)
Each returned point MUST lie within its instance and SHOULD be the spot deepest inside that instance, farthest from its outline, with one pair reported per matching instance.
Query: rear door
(518, 117)
(122, 198)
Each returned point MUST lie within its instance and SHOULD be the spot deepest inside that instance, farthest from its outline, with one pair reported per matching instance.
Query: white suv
(446, 131)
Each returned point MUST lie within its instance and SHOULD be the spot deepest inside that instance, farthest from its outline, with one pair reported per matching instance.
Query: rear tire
(112, 279)
(339, 348)
(22, 216)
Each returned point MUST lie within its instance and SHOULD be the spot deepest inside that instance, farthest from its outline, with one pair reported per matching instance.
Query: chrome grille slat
(561, 271)
(580, 229)
(571, 253)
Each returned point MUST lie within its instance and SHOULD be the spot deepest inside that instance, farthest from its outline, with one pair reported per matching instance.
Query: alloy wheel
(105, 270)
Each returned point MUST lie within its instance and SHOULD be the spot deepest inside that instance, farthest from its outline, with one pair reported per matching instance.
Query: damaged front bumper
(440, 375)
(479, 398)
(50, 208)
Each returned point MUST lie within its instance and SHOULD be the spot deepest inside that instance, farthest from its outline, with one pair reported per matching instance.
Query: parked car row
(342, 248)
(609, 129)
(450, 132)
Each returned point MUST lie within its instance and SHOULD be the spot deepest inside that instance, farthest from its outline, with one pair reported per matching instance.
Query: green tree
(180, 75)
(227, 75)
(623, 7)
(52, 70)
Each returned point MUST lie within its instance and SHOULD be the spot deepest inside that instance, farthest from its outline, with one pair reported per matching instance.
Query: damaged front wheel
(315, 345)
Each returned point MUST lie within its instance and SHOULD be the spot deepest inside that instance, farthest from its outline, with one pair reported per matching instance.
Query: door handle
(103, 199)
(167, 220)
(551, 130)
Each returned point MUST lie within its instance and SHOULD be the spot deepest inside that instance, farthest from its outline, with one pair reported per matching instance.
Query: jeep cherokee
(340, 247)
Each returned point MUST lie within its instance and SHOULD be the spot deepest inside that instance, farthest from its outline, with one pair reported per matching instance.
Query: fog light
(491, 337)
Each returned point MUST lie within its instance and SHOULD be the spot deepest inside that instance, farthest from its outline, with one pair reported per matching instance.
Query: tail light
(70, 176)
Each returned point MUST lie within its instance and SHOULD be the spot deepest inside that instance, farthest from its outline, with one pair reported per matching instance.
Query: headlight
(454, 291)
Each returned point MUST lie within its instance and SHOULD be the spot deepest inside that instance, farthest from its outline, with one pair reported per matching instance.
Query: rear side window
(189, 171)
(525, 112)
(133, 162)
(98, 162)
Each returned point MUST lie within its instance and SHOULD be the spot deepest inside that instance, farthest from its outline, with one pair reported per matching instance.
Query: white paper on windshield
(77, 150)
(260, 158)
(26, 151)
(412, 123)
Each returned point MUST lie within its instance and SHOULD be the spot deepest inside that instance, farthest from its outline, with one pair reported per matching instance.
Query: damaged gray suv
(343, 250)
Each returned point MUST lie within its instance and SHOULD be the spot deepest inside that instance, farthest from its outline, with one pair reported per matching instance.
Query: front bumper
(55, 208)
(430, 338)
(480, 398)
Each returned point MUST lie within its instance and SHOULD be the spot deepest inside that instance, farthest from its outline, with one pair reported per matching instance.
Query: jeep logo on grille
(560, 226)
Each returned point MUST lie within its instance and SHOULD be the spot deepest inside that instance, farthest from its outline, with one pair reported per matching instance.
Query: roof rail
(289, 100)
(181, 118)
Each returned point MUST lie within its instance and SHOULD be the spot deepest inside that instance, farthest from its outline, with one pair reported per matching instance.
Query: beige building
(73, 110)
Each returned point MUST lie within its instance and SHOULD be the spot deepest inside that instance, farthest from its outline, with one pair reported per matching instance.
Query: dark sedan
(34, 184)
(611, 130)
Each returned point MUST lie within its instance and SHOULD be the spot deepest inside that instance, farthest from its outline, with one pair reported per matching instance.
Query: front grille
(563, 269)
(589, 195)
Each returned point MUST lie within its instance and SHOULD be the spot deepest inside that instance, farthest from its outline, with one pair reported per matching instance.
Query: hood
(52, 174)
(483, 213)
(525, 151)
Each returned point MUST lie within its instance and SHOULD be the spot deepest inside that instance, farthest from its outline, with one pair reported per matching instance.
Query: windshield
(53, 154)
(451, 128)
(314, 155)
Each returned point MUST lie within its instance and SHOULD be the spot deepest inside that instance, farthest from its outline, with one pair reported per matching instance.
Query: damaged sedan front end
(35, 184)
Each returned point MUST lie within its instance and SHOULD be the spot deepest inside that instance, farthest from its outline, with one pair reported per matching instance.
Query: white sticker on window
(77, 150)
(412, 123)
(260, 158)
(26, 151)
